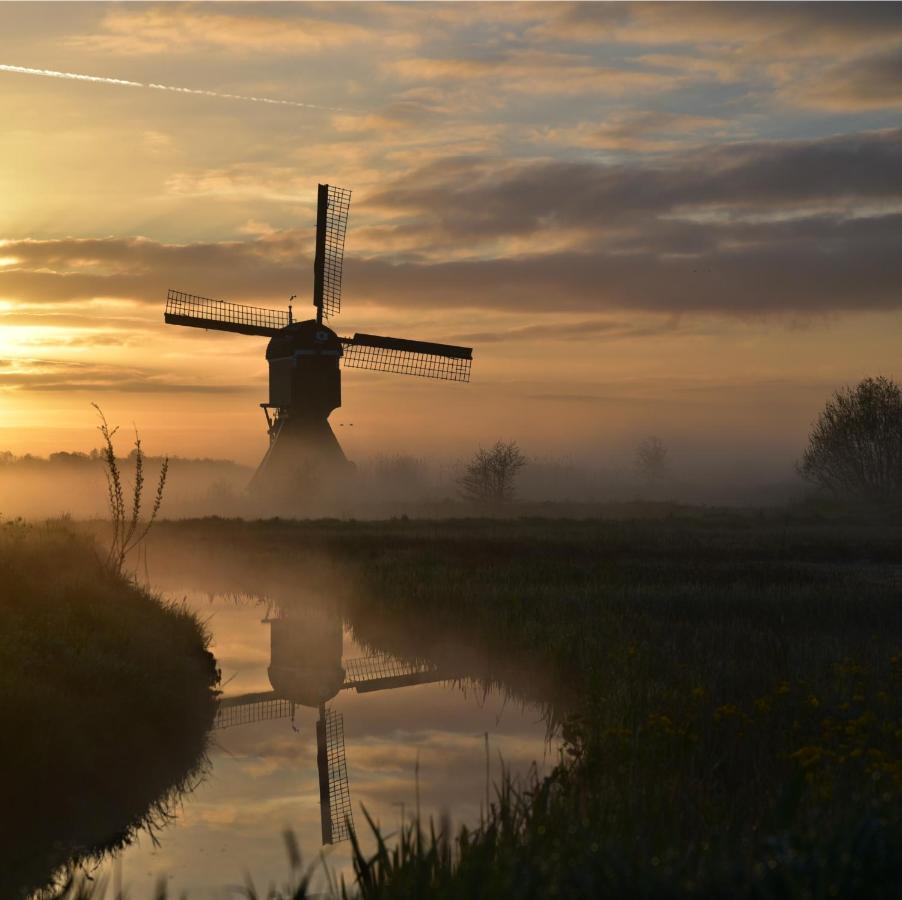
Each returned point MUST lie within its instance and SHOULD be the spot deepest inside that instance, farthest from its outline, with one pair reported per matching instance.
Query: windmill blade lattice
(333, 205)
(424, 358)
(334, 792)
(379, 673)
(219, 315)
(248, 708)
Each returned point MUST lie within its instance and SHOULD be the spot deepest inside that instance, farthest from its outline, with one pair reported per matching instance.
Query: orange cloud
(176, 29)
(637, 130)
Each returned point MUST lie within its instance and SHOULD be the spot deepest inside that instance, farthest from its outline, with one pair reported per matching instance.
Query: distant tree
(652, 460)
(65, 457)
(855, 446)
(490, 475)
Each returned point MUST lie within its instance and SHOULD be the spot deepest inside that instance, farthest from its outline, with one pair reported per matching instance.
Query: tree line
(854, 451)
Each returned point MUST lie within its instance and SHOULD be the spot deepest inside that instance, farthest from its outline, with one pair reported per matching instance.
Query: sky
(681, 220)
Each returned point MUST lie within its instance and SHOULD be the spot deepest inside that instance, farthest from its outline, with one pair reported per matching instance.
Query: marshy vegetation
(728, 686)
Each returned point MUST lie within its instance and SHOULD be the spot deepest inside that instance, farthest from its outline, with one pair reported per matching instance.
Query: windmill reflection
(307, 669)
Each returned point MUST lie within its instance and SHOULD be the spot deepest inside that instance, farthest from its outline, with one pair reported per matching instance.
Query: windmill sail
(380, 673)
(334, 793)
(248, 708)
(332, 208)
(387, 354)
(219, 315)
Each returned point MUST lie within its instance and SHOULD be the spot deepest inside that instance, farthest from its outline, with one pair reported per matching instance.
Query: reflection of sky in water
(264, 777)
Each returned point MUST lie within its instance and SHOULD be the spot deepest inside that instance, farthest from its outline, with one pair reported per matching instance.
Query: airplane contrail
(122, 82)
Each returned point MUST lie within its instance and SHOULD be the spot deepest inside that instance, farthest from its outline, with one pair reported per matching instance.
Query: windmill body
(305, 656)
(305, 359)
(306, 669)
(304, 388)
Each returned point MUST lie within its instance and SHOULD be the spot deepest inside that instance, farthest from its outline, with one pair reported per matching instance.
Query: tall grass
(125, 518)
(728, 687)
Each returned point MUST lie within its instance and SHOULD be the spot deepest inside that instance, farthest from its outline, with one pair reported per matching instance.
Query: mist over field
(385, 485)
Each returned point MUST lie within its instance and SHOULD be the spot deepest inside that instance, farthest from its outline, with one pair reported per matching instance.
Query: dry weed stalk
(126, 533)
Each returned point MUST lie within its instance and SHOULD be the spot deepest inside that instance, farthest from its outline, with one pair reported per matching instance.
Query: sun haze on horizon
(671, 219)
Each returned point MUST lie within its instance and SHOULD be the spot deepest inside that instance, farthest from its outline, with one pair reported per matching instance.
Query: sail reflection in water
(312, 727)
(306, 668)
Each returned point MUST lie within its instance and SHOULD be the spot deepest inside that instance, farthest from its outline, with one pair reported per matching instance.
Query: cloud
(636, 130)
(486, 197)
(53, 375)
(73, 269)
(757, 227)
(765, 29)
(282, 184)
(859, 268)
(866, 82)
(554, 329)
(35, 317)
(533, 72)
(820, 263)
(180, 29)
(837, 55)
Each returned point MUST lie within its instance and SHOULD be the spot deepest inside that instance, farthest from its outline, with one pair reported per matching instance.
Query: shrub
(855, 447)
(490, 475)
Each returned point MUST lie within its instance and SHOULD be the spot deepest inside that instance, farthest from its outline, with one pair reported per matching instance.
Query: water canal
(395, 734)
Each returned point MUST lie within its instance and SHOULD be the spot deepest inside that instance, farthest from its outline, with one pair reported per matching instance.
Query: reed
(128, 532)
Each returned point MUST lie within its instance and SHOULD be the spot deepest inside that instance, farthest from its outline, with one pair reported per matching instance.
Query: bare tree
(652, 460)
(855, 446)
(490, 475)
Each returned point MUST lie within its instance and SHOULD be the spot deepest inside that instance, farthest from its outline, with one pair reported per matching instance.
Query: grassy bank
(105, 699)
(729, 686)
(730, 689)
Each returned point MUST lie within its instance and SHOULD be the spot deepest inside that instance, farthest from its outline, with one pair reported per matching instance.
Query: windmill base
(303, 460)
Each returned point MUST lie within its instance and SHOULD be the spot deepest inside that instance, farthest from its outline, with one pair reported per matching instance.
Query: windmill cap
(306, 686)
(304, 336)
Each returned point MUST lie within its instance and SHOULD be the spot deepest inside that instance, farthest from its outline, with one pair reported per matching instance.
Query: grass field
(728, 684)
(105, 700)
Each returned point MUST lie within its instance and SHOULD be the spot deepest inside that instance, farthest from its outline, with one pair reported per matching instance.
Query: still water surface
(264, 775)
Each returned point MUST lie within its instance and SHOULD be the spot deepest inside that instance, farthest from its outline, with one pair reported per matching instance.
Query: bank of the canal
(105, 703)
(728, 686)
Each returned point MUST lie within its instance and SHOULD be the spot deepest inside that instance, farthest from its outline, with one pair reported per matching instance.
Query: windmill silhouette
(306, 669)
(304, 373)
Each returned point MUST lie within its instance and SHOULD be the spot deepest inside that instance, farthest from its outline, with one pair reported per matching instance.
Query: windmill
(303, 357)
(306, 669)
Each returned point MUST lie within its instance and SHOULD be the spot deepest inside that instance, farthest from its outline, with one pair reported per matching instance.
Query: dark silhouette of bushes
(855, 447)
(491, 474)
(105, 700)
